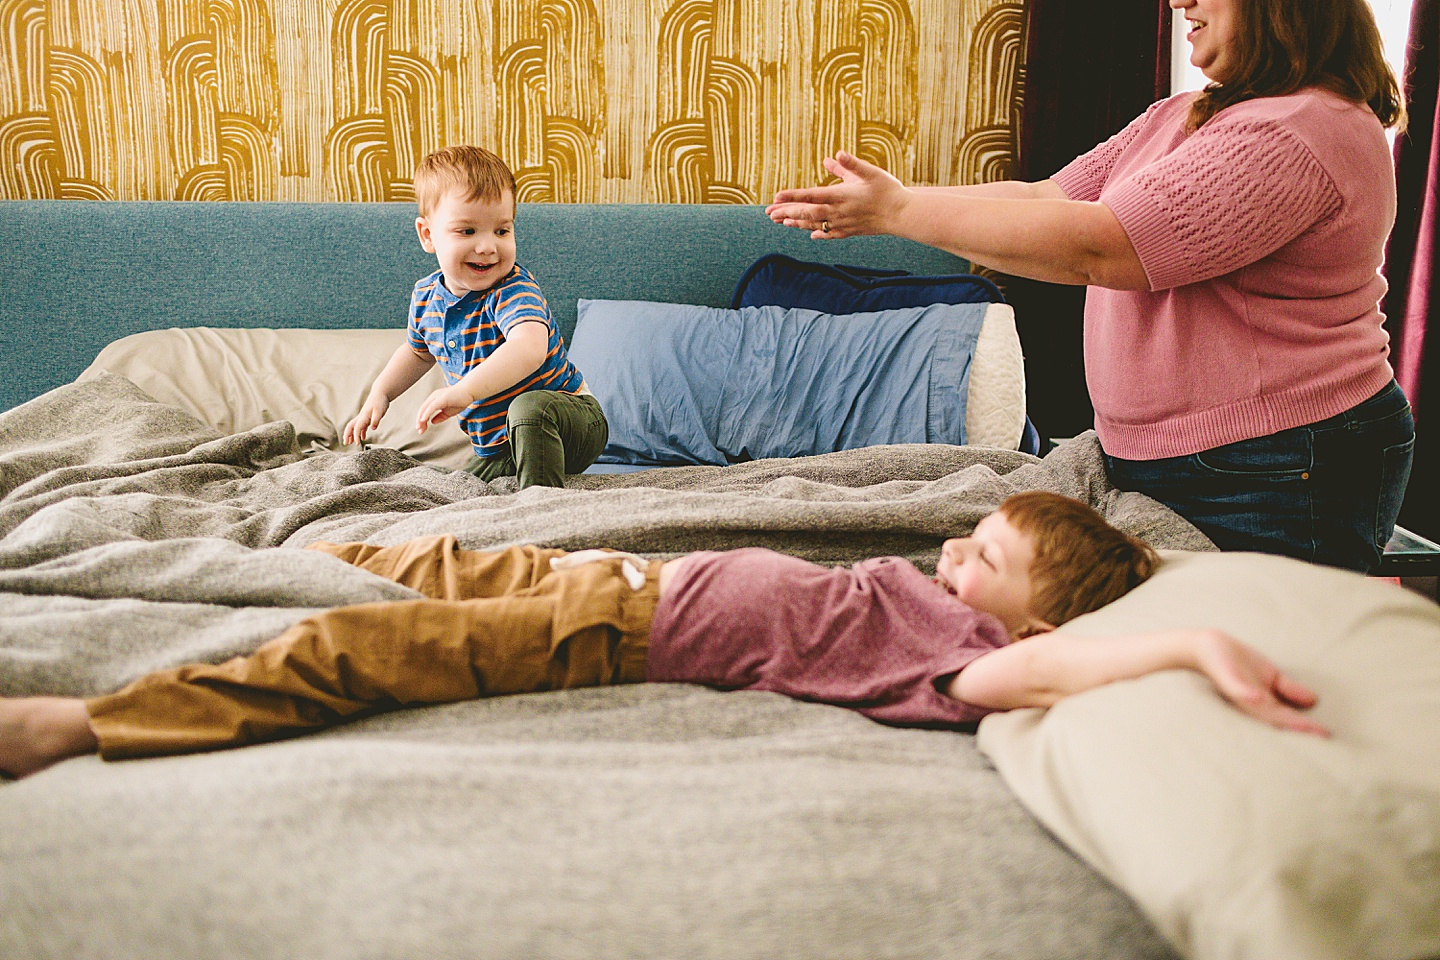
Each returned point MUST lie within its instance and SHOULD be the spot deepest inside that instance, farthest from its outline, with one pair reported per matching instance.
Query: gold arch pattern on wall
(550, 83)
(705, 149)
(866, 79)
(990, 149)
(679, 101)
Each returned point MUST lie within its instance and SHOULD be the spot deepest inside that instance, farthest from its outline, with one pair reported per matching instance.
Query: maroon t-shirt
(875, 637)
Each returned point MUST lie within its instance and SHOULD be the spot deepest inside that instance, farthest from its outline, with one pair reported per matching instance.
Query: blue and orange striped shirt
(461, 332)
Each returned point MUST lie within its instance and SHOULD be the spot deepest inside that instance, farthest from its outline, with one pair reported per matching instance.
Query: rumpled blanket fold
(120, 515)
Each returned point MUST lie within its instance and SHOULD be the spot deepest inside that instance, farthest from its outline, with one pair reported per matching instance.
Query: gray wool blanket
(647, 821)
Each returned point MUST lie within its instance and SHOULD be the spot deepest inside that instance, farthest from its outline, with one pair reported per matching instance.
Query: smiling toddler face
(473, 239)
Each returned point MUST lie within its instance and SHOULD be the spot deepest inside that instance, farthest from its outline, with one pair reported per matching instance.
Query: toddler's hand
(1255, 685)
(366, 420)
(441, 405)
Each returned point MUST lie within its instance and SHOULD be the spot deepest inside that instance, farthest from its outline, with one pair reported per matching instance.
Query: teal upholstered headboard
(76, 275)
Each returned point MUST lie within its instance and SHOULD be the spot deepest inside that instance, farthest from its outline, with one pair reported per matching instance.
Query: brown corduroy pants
(496, 623)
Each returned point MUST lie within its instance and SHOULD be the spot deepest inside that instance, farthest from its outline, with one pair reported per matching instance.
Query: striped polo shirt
(460, 332)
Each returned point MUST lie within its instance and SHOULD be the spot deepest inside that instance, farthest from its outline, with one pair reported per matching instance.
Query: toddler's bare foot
(36, 732)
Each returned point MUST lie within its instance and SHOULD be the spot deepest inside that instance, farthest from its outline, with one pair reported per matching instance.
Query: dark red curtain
(1090, 68)
(1412, 265)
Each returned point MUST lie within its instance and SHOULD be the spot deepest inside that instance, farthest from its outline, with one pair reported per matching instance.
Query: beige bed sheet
(237, 379)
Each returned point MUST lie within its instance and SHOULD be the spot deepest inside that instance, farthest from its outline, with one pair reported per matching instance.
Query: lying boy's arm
(524, 350)
(1042, 670)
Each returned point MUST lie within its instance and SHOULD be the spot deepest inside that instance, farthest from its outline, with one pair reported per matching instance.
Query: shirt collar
(449, 299)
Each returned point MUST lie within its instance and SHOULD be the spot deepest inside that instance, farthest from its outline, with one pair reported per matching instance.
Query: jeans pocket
(1378, 412)
(1395, 463)
(1287, 455)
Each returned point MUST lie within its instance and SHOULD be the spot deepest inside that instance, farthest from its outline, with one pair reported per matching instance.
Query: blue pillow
(691, 384)
(778, 280)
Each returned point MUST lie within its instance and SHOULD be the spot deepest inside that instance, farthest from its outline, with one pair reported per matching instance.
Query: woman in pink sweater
(1232, 242)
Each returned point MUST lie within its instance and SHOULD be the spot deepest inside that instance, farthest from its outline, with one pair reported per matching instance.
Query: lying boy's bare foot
(36, 732)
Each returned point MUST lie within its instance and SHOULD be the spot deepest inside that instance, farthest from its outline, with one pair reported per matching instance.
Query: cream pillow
(237, 379)
(1236, 839)
(995, 403)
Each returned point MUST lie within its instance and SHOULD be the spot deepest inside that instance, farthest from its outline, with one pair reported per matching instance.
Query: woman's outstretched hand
(866, 200)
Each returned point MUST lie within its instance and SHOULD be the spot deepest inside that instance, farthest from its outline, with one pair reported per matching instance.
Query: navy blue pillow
(781, 281)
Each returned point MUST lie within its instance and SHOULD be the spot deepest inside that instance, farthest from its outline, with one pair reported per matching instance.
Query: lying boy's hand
(1254, 684)
(441, 405)
(366, 420)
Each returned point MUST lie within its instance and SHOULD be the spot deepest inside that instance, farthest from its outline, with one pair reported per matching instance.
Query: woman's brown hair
(1286, 45)
(1081, 562)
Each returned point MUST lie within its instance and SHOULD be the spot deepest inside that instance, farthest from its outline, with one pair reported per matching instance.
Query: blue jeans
(1328, 492)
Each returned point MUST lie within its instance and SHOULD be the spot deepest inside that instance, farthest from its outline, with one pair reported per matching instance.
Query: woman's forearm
(1026, 230)
(1052, 239)
(1003, 189)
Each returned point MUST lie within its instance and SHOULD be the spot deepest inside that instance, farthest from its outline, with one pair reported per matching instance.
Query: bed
(139, 527)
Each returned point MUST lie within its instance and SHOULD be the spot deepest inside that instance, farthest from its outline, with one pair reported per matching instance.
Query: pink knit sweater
(1262, 235)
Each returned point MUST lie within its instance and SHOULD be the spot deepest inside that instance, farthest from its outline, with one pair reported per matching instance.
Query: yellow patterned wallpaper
(679, 101)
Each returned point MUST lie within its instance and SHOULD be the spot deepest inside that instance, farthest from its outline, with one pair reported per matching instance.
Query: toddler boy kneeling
(484, 319)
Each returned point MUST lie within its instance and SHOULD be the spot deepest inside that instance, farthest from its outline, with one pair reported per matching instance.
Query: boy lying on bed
(879, 637)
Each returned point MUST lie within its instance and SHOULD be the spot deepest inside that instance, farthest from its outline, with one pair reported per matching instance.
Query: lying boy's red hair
(1081, 562)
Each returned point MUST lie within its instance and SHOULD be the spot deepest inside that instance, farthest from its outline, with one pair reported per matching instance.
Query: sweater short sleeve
(1084, 177)
(1193, 216)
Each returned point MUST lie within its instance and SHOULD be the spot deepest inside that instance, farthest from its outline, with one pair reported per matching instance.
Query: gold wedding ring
(824, 226)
